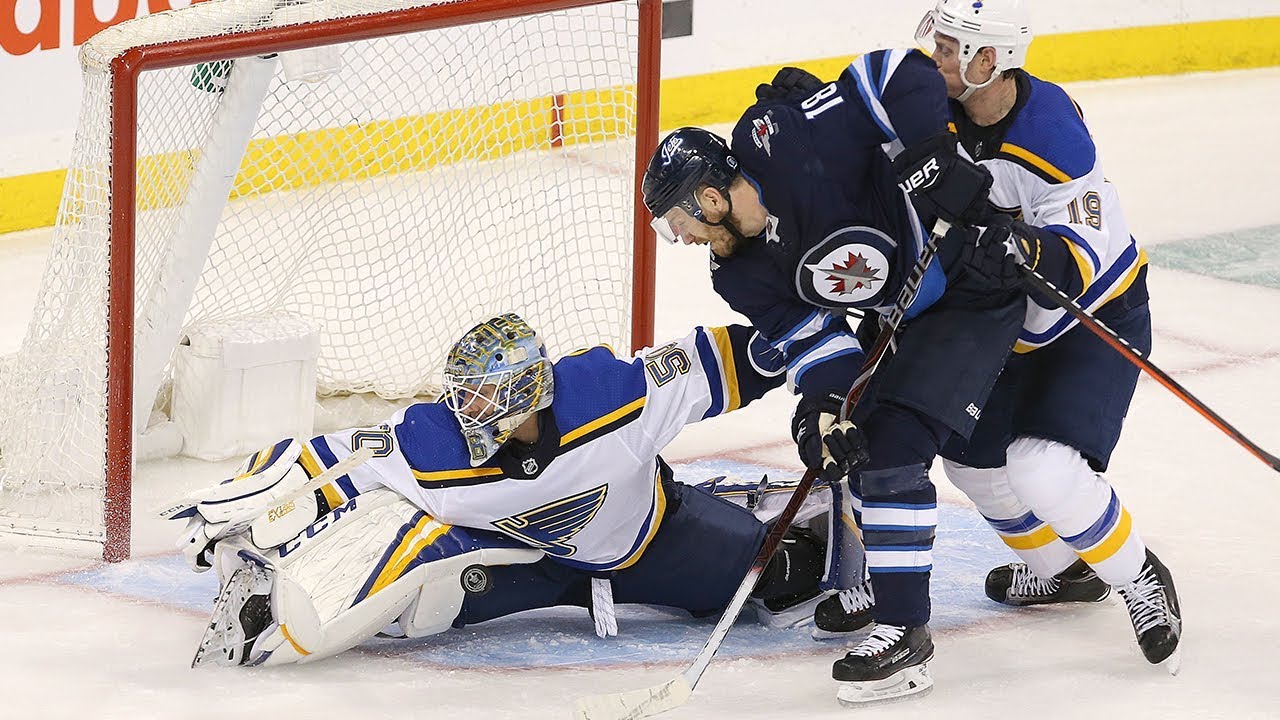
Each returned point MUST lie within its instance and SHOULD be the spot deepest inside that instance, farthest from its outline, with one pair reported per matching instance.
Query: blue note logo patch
(550, 527)
(847, 269)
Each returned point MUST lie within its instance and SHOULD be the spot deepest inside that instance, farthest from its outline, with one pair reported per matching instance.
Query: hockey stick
(1135, 356)
(636, 704)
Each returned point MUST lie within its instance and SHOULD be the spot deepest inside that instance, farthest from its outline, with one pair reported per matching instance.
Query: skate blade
(821, 635)
(909, 682)
(224, 639)
(1173, 663)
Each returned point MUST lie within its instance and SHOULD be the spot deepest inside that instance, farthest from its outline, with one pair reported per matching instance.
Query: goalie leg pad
(374, 560)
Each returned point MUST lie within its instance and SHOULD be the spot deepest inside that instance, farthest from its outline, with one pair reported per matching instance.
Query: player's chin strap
(726, 223)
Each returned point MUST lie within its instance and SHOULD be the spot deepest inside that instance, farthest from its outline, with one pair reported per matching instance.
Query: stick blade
(634, 704)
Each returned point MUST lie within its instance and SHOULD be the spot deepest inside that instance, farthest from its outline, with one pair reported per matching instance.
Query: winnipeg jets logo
(670, 149)
(848, 269)
(530, 466)
(763, 129)
(854, 273)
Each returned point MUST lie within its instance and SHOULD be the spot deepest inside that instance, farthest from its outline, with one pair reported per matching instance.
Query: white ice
(1191, 156)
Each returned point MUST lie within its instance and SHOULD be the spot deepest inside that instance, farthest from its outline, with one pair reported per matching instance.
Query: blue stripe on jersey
(1074, 238)
(711, 368)
(866, 505)
(833, 347)
(860, 71)
(603, 383)
(1050, 127)
(326, 456)
(813, 323)
(1095, 291)
(1099, 530)
(920, 569)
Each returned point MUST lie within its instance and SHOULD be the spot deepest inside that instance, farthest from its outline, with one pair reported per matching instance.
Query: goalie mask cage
(462, 159)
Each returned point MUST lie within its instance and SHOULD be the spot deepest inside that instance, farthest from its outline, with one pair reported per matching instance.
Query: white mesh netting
(436, 178)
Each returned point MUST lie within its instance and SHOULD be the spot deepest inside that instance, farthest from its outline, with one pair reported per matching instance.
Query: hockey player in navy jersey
(1033, 464)
(529, 485)
(808, 221)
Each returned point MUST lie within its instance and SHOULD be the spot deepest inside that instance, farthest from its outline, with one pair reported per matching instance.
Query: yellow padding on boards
(338, 154)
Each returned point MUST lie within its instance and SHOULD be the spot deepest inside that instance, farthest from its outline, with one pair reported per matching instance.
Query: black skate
(1153, 609)
(1014, 584)
(241, 614)
(892, 662)
(844, 612)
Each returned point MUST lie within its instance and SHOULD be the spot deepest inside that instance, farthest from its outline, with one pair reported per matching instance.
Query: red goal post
(628, 116)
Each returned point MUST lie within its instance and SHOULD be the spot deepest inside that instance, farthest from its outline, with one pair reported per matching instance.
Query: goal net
(388, 172)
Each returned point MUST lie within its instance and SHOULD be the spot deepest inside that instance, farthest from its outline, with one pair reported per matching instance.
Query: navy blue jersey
(841, 234)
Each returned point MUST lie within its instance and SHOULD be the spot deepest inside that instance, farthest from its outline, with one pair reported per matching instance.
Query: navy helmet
(685, 160)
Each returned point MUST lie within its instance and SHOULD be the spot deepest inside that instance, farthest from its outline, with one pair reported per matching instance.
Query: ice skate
(892, 662)
(1153, 608)
(240, 614)
(1014, 584)
(844, 612)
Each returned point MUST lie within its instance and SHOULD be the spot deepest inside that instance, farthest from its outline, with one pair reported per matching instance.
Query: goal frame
(124, 72)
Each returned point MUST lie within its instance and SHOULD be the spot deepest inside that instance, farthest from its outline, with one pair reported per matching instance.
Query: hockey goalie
(530, 484)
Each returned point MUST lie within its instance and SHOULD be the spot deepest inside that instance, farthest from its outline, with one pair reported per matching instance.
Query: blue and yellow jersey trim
(715, 351)
(602, 425)
(578, 436)
(1048, 137)
(1107, 287)
(458, 477)
(263, 459)
(315, 458)
(1032, 162)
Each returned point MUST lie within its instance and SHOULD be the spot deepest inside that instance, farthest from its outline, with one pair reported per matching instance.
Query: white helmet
(1003, 25)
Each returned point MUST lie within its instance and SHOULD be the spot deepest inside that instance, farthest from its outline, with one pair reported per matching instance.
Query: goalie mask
(496, 377)
(1003, 25)
(686, 160)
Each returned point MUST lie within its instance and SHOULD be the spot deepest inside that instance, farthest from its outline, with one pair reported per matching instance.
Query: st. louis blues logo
(847, 269)
(551, 526)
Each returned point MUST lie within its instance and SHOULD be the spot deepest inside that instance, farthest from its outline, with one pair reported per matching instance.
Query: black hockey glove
(943, 183)
(824, 443)
(996, 254)
(788, 81)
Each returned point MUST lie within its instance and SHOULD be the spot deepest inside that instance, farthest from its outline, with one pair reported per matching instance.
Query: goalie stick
(636, 704)
(1135, 356)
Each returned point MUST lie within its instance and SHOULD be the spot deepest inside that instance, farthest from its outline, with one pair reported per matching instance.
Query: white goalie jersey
(590, 492)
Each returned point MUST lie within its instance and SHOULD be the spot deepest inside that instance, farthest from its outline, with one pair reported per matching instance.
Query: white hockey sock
(1056, 482)
(1034, 542)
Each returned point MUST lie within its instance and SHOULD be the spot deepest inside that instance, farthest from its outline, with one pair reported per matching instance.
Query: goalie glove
(833, 447)
(942, 182)
(241, 506)
(789, 81)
